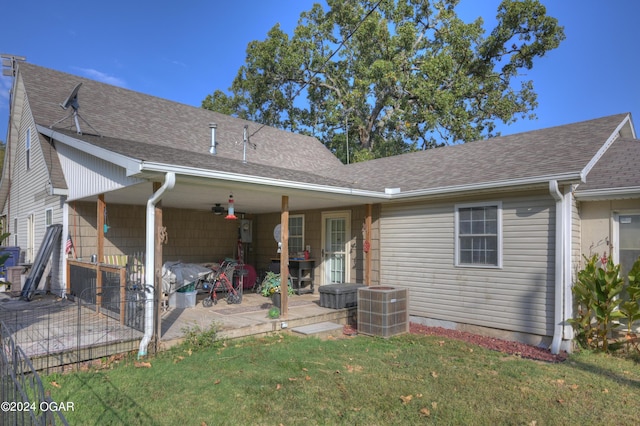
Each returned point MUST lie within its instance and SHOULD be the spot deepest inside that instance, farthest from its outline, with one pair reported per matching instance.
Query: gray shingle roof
(52, 162)
(120, 113)
(551, 151)
(618, 168)
(153, 129)
(169, 155)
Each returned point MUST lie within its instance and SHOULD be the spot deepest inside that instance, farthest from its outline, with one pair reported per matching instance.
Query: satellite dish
(277, 233)
(72, 99)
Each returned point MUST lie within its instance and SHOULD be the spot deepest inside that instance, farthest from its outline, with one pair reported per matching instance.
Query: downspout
(169, 182)
(559, 269)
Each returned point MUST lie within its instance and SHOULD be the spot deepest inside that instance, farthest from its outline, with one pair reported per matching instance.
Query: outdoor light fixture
(231, 210)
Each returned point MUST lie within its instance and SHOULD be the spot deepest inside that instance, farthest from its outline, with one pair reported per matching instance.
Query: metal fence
(88, 325)
(23, 399)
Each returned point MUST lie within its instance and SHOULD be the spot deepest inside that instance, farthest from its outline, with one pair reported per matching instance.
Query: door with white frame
(336, 244)
(626, 239)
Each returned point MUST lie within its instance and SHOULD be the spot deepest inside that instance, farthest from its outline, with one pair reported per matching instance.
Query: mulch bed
(513, 348)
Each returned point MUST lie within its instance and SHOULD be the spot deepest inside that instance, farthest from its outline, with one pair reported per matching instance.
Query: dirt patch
(514, 348)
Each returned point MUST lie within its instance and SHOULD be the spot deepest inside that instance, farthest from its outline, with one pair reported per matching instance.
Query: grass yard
(404, 380)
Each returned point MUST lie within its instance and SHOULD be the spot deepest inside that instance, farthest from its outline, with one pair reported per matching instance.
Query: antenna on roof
(72, 101)
(9, 64)
(246, 141)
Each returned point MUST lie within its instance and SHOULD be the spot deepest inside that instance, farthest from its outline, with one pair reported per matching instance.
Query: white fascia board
(606, 145)
(538, 180)
(131, 165)
(60, 191)
(258, 180)
(608, 193)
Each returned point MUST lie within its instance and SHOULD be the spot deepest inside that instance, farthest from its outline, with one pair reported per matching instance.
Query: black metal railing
(54, 332)
(22, 395)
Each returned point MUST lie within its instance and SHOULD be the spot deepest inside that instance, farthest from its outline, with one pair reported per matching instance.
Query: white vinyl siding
(418, 250)
(29, 193)
(90, 174)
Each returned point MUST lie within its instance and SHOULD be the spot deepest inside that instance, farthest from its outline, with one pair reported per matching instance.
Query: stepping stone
(321, 328)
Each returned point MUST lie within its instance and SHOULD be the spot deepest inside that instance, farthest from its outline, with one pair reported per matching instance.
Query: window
(478, 235)
(28, 149)
(15, 232)
(48, 217)
(296, 234)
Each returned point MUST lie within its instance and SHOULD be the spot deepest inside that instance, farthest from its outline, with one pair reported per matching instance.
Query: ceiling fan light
(217, 209)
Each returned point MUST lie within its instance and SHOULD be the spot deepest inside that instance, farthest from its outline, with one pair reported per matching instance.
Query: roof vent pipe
(213, 127)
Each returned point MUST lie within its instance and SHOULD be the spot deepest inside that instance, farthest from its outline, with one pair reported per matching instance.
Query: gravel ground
(514, 348)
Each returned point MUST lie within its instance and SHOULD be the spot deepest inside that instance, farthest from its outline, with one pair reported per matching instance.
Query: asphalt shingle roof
(153, 129)
(619, 167)
(120, 113)
(551, 151)
(169, 155)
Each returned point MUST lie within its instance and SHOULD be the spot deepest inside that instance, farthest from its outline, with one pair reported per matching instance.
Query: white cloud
(102, 77)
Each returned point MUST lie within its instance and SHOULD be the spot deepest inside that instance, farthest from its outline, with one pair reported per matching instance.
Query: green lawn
(361, 380)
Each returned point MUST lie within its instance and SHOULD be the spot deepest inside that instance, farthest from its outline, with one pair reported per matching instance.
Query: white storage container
(183, 300)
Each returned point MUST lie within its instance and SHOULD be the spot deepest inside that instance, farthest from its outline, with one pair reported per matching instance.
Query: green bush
(271, 285)
(599, 303)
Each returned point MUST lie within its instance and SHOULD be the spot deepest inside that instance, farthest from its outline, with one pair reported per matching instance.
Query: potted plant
(270, 287)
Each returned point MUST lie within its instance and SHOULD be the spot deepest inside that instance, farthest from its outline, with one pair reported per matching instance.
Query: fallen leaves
(406, 399)
(55, 385)
(424, 411)
(142, 364)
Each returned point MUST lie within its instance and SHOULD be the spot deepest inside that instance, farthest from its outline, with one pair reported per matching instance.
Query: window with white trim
(478, 234)
(296, 234)
(48, 217)
(15, 232)
(28, 149)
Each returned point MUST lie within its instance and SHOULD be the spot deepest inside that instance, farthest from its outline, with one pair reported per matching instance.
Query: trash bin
(339, 296)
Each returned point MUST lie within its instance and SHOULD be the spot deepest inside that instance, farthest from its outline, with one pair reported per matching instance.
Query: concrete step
(320, 330)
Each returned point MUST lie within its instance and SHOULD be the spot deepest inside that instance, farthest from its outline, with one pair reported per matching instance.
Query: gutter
(448, 190)
(393, 194)
(149, 264)
(559, 268)
(607, 193)
(257, 180)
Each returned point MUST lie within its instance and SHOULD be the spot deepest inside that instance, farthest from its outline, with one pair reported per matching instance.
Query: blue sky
(184, 50)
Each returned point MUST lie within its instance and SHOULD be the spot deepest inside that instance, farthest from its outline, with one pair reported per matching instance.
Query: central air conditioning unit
(383, 311)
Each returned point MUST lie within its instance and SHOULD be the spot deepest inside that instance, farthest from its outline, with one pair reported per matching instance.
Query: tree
(399, 75)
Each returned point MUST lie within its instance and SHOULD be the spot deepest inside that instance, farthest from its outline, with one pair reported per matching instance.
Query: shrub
(599, 305)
